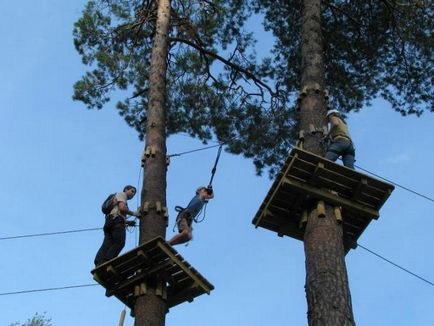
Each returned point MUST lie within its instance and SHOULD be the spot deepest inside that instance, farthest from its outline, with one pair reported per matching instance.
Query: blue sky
(59, 161)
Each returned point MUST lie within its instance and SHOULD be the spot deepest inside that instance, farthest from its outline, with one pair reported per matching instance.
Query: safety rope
(214, 169)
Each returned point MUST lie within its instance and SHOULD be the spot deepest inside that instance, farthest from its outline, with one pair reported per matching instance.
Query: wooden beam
(314, 177)
(188, 271)
(131, 281)
(386, 195)
(330, 198)
(360, 186)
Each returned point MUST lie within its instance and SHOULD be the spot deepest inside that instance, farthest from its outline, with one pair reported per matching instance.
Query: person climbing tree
(340, 140)
(115, 223)
(187, 215)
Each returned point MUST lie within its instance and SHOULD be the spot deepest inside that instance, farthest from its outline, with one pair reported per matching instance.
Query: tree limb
(226, 62)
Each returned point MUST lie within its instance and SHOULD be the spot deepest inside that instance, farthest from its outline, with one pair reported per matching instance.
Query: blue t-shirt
(195, 205)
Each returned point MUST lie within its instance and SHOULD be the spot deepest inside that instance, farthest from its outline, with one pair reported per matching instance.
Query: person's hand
(130, 223)
(138, 213)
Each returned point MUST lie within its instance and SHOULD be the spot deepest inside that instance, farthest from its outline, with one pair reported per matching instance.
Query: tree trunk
(150, 309)
(327, 289)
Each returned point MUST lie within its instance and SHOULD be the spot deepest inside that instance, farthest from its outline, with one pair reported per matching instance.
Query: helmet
(332, 112)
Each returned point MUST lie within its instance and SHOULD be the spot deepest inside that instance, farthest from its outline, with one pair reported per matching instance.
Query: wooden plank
(301, 164)
(332, 199)
(314, 177)
(176, 259)
(138, 277)
(334, 174)
(275, 187)
(292, 231)
(169, 265)
(178, 297)
(342, 170)
(385, 197)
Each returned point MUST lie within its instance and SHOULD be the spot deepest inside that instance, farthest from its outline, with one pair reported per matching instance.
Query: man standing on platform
(114, 226)
(186, 216)
(340, 140)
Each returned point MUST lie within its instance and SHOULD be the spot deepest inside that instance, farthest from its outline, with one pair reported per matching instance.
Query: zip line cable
(220, 145)
(359, 167)
(192, 151)
(95, 284)
(195, 150)
(49, 289)
(396, 184)
(48, 233)
(396, 265)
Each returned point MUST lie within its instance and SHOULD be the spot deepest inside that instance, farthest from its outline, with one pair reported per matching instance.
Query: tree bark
(327, 290)
(150, 309)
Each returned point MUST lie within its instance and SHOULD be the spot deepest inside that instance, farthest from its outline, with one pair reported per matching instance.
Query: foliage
(211, 95)
(371, 48)
(216, 89)
(36, 320)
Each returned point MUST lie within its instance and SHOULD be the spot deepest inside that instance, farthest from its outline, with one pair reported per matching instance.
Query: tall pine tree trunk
(327, 289)
(150, 309)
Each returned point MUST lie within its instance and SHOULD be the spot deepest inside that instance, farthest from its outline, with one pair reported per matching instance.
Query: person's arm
(334, 121)
(125, 210)
(207, 196)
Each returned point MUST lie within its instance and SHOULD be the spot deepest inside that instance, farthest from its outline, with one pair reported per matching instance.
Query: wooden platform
(126, 276)
(306, 176)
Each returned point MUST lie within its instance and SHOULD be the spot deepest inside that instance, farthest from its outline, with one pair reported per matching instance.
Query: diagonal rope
(396, 184)
(48, 233)
(396, 265)
(49, 289)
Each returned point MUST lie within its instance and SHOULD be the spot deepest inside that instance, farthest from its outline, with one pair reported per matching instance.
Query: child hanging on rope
(187, 215)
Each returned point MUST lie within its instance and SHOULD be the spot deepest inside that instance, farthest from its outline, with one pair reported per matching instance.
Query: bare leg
(181, 237)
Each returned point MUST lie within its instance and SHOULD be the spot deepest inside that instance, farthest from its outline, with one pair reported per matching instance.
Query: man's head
(130, 191)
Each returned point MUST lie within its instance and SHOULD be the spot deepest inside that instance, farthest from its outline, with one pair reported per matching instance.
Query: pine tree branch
(345, 13)
(234, 66)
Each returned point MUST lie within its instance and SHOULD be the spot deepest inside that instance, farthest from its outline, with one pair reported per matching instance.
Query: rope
(195, 150)
(292, 145)
(202, 212)
(48, 233)
(396, 265)
(94, 284)
(396, 184)
(136, 240)
(49, 289)
(214, 169)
